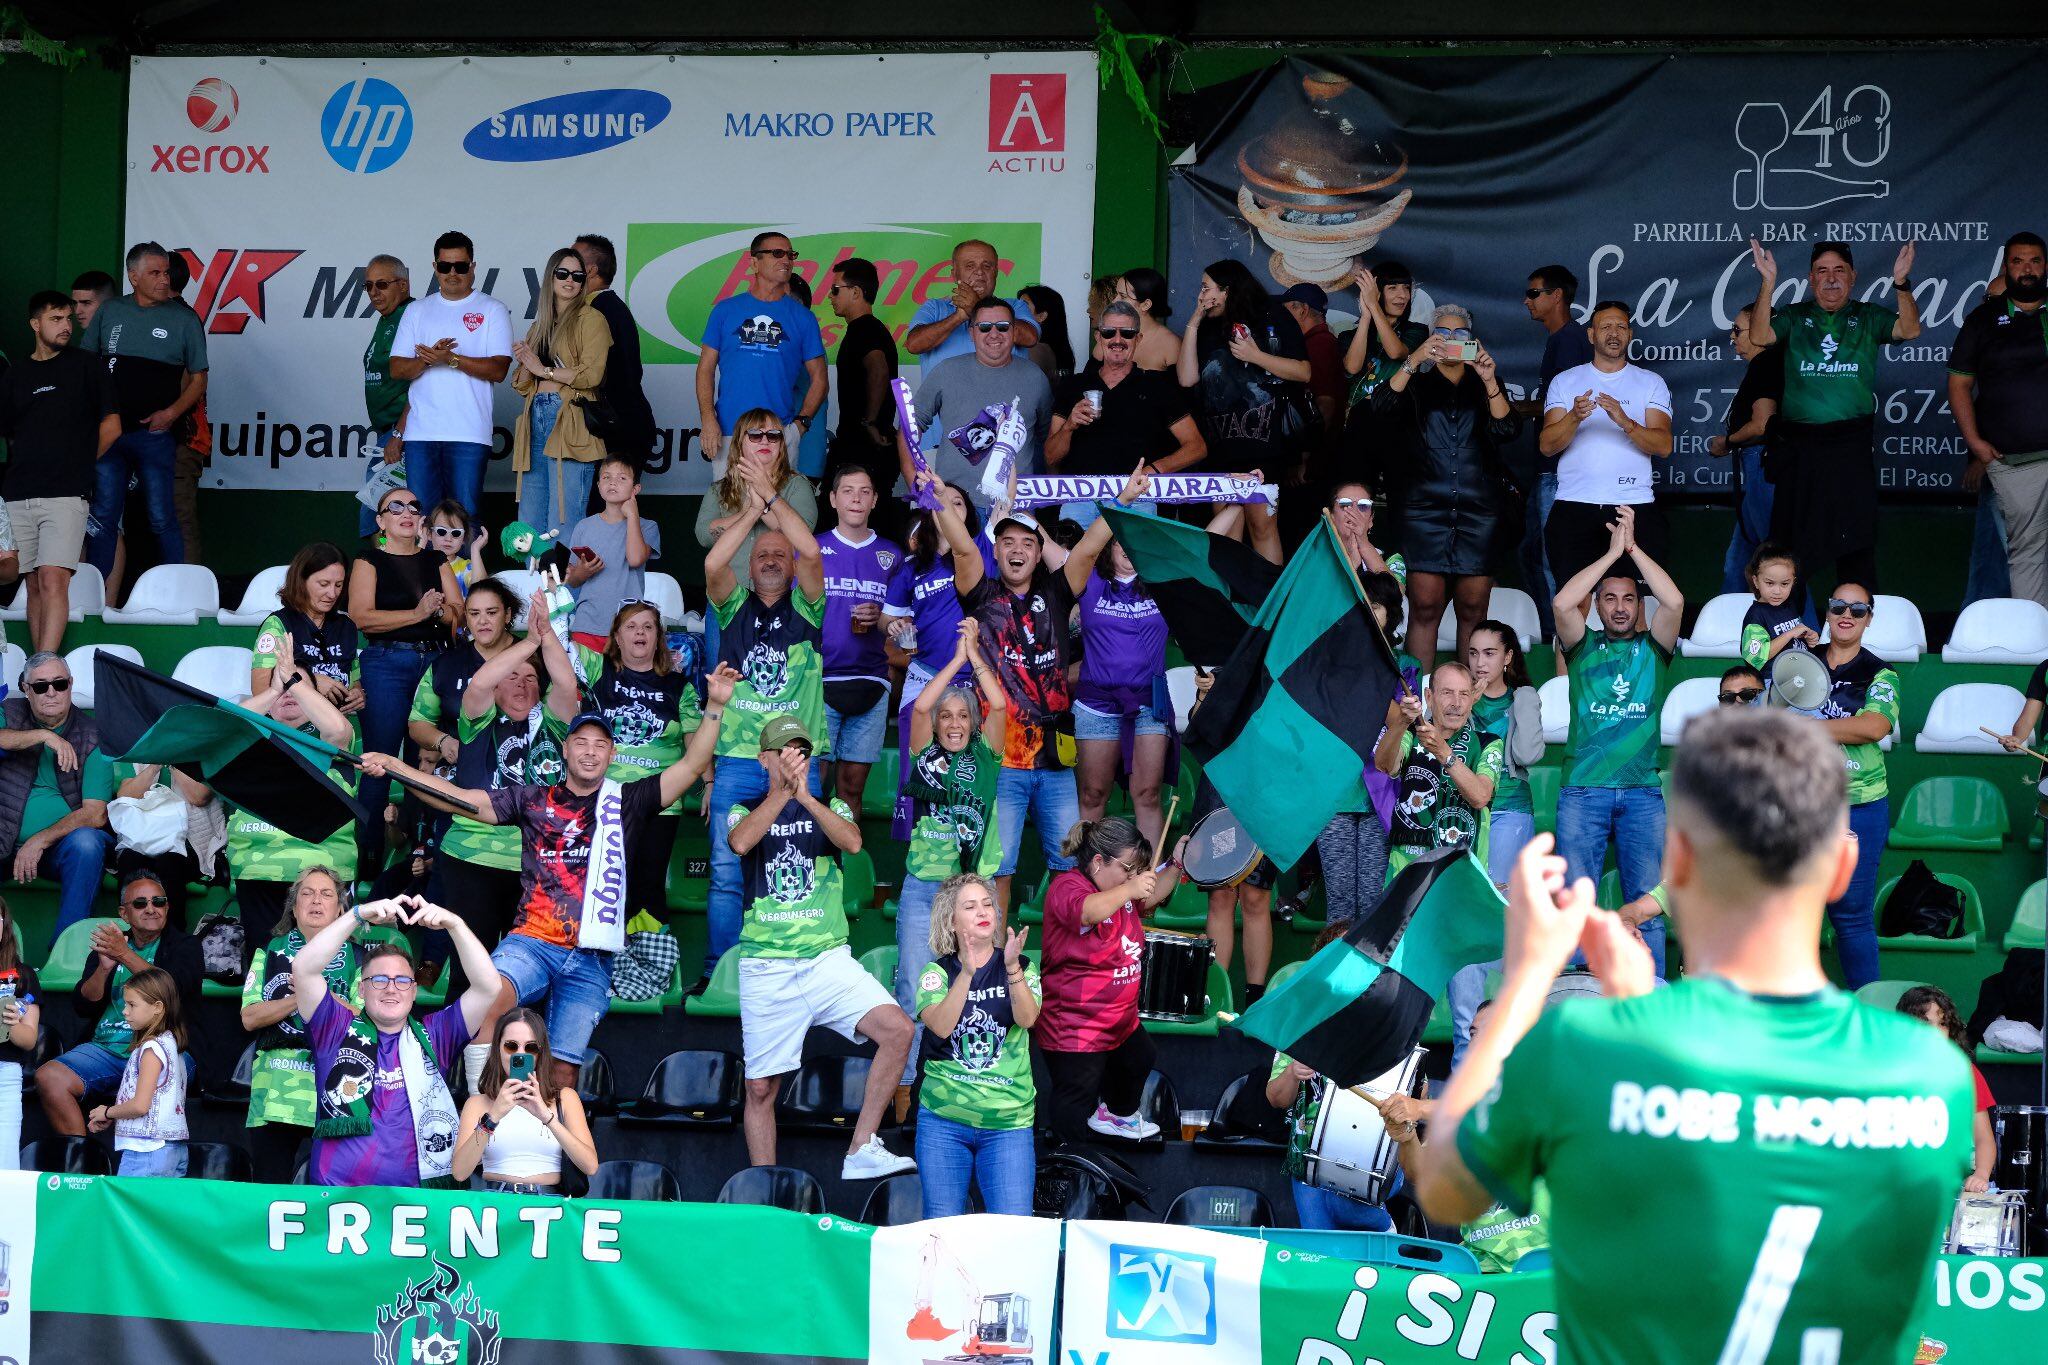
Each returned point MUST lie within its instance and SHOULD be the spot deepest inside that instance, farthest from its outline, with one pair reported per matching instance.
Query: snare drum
(2022, 1131)
(1350, 1152)
(1987, 1224)
(1175, 984)
(1220, 852)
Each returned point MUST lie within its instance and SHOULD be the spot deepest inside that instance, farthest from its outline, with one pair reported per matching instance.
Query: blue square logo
(1159, 1295)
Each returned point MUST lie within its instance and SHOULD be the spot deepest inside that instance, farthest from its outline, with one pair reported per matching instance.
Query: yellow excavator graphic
(998, 1326)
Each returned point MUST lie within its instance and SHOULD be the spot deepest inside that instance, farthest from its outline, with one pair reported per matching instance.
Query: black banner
(1646, 175)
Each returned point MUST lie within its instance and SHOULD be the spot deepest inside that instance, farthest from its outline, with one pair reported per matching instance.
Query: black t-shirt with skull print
(795, 904)
(779, 651)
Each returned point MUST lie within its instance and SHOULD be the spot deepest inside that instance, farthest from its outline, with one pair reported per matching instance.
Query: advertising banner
(1645, 174)
(279, 178)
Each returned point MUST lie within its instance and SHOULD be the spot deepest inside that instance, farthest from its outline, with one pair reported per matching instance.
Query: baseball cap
(1309, 294)
(597, 718)
(783, 731)
(1020, 519)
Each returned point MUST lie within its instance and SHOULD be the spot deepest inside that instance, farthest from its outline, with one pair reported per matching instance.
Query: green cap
(784, 730)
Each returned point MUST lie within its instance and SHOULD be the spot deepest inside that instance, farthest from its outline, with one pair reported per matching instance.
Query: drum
(1175, 984)
(1350, 1152)
(1220, 852)
(2022, 1131)
(1987, 1224)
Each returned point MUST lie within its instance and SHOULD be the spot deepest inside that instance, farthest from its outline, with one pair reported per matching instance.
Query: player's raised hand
(1616, 952)
(1546, 915)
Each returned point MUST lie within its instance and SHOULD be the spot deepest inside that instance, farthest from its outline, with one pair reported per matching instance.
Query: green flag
(1209, 588)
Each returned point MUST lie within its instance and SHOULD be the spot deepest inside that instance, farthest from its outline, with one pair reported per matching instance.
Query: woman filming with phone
(518, 1126)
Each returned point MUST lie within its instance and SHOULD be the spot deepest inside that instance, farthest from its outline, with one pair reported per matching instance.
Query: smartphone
(1468, 350)
(583, 552)
(522, 1066)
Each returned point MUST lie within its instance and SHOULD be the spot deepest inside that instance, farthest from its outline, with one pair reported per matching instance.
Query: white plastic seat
(522, 584)
(1555, 697)
(1717, 633)
(88, 596)
(222, 670)
(1180, 686)
(169, 595)
(12, 660)
(1959, 709)
(1686, 699)
(664, 591)
(1511, 607)
(260, 600)
(1999, 630)
(1897, 634)
(83, 662)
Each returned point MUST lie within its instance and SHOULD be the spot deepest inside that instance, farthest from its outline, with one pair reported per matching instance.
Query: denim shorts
(96, 1066)
(169, 1161)
(576, 981)
(857, 738)
(1092, 724)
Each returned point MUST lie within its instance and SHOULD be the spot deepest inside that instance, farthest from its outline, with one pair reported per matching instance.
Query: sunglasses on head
(777, 253)
(399, 507)
(386, 981)
(991, 326)
(42, 685)
(1126, 333)
(563, 272)
(512, 1049)
(1855, 611)
(763, 434)
(1741, 696)
(144, 902)
(454, 267)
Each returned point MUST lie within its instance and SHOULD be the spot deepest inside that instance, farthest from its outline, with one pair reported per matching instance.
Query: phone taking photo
(522, 1066)
(1468, 350)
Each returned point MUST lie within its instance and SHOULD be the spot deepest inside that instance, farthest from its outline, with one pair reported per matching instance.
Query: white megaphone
(1799, 681)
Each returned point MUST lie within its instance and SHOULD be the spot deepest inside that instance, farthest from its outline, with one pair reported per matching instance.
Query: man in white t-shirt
(454, 345)
(1605, 423)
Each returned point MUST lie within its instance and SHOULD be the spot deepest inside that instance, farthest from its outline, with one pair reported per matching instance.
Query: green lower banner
(96, 1270)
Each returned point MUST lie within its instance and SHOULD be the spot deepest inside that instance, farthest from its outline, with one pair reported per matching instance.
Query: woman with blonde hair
(558, 368)
(757, 439)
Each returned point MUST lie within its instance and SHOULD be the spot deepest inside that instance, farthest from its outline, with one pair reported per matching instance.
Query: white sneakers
(872, 1161)
(1132, 1129)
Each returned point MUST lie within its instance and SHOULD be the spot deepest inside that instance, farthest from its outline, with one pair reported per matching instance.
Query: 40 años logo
(433, 1324)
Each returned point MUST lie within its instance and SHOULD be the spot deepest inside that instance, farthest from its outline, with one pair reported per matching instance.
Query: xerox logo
(210, 108)
(366, 126)
(566, 125)
(233, 277)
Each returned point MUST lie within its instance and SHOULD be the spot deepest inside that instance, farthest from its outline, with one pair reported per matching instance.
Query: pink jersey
(1091, 972)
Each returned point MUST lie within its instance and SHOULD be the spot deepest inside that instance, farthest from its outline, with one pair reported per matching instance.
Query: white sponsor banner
(1158, 1294)
(17, 1260)
(963, 1288)
(280, 178)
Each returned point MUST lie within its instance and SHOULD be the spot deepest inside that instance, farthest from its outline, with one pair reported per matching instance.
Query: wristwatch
(488, 1124)
(1906, 283)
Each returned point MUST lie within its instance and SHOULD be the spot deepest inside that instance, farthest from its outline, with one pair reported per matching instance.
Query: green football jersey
(1616, 687)
(259, 851)
(795, 901)
(1432, 812)
(1831, 359)
(1732, 1177)
(981, 1074)
(780, 654)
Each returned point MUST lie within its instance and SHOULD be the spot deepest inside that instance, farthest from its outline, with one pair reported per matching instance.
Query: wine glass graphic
(1762, 130)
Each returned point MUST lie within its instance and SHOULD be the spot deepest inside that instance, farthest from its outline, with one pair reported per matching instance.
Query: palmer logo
(560, 126)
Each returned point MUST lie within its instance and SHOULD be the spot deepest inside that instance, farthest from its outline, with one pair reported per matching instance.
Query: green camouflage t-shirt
(1500, 1236)
(1831, 359)
(1617, 688)
(779, 652)
(955, 800)
(259, 851)
(281, 1087)
(652, 715)
(981, 1074)
(1432, 812)
(794, 898)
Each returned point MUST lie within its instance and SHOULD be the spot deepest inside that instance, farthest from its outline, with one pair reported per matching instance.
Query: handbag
(1922, 904)
(601, 419)
(645, 967)
(152, 823)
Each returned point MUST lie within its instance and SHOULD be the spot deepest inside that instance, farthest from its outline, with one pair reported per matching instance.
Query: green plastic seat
(1221, 1001)
(67, 956)
(688, 884)
(1961, 814)
(2029, 919)
(720, 998)
(1186, 910)
(667, 1000)
(885, 779)
(880, 963)
(1279, 977)
(1544, 785)
(1031, 901)
(1965, 942)
(1885, 995)
(1991, 1056)
(857, 882)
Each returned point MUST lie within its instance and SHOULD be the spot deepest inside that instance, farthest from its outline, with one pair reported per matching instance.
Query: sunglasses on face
(144, 902)
(1741, 696)
(42, 685)
(991, 326)
(384, 981)
(398, 507)
(1362, 504)
(563, 272)
(777, 253)
(514, 1049)
(452, 532)
(378, 286)
(1455, 333)
(454, 267)
(764, 435)
(1126, 333)
(1537, 292)
(1855, 611)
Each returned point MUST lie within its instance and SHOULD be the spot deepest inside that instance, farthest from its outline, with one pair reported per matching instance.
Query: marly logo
(233, 277)
(433, 1324)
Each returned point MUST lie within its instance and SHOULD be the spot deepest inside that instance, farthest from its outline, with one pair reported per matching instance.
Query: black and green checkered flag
(1209, 588)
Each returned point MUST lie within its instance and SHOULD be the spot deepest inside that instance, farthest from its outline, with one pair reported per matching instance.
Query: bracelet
(1493, 393)
(712, 715)
(771, 502)
(487, 1124)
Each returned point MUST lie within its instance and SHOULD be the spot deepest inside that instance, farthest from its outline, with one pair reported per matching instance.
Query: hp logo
(366, 125)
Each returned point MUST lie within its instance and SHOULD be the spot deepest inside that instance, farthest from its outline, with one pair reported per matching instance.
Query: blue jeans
(1049, 797)
(75, 862)
(1634, 817)
(1535, 565)
(390, 677)
(576, 981)
(736, 780)
(1753, 500)
(1854, 916)
(1002, 1161)
(435, 470)
(155, 455)
(537, 486)
(913, 950)
(1990, 570)
(857, 738)
(170, 1161)
(1465, 994)
(1322, 1210)
(1506, 832)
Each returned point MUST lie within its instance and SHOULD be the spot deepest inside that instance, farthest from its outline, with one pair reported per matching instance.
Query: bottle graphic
(1762, 130)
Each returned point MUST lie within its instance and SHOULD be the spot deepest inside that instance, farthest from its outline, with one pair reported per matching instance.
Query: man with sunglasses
(1860, 713)
(54, 788)
(621, 389)
(756, 345)
(940, 329)
(390, 289)
(452, 348)
(1549, 296)
(1144, 414)
(961, 401)
(1741, 686)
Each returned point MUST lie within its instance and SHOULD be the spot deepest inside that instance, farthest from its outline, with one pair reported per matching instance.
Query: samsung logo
(566, 125)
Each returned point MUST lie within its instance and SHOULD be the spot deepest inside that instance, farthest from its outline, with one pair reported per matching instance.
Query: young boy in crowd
(618, 545)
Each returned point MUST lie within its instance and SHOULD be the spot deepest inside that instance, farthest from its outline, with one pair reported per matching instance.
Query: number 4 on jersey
(1771, 1278)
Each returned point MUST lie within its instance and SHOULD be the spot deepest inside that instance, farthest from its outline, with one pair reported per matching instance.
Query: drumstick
(2023, 749)
(1172, 805)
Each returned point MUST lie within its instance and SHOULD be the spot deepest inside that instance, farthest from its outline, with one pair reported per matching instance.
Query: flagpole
(414, 784)
(1351, 577)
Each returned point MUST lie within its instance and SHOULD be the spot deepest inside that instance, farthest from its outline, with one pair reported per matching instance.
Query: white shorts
(782, 998)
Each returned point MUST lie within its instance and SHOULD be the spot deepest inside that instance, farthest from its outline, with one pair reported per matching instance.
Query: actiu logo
(566, 125)
(210, 108)
(366, 126)
(233, 277)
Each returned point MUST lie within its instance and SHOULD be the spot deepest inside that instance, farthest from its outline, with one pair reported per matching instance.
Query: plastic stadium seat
(885, 779)
(260, 600)
(1220, 1206)
(1717, 632)
(1511, 607)
(1896, 634)
(824, 1095)
(1885, 994)
(1160, 1103)
(595, 1084)
(83, 663)
(68, 954)
(12, 660)
(218, 1161)
(693, 1088)
(1243, 1120)
(1180, 688)
(1544, 784)
(222, 670)
(233, 1093)
(1556, 697)
(648, 1181)
(720, 998)
(856, 881)
(66, 1156)
(880, 963)
(665, 592)
(169, 595)
(1959, 709)
(2029, 919)
(1686, 699)
(1532, 1261)
(521, 583)
(775, 1187)
(1999, 630)
(1220, 1000)
(1187, 909)
(1950, 813)
(899, 1199)
(88, 596)
(1965, 942)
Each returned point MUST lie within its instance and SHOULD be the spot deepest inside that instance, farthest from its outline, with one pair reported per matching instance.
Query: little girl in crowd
(449, 531)
(1774, 620)
(148, 1112)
